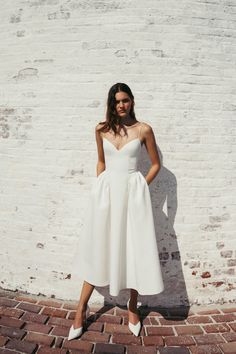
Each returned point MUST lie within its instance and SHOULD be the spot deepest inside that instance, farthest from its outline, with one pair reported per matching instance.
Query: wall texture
(58, 60)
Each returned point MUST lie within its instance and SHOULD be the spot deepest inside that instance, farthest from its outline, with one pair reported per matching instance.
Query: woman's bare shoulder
(99, 125)
(146, 128)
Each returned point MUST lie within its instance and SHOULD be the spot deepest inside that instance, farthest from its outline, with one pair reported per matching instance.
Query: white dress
(117, 246)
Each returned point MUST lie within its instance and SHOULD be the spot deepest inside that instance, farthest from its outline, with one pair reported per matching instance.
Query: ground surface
(31, 324)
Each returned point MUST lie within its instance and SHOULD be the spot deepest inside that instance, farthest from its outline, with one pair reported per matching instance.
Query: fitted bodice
(124, 157)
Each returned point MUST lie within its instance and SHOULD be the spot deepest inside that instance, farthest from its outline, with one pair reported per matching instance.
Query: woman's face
(123, 104)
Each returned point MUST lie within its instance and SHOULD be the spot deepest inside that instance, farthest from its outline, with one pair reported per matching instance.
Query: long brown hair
(112, 118)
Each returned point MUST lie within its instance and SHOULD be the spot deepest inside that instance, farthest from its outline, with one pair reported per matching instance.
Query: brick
(54, 312)
(58, 342)
(10, 312)
(230, 336)
(60, 331)
(188, 330)
(29, 307)
(48, 350)
(34, 317)
(209, 312)
(38, 327)
(233, 326)
(50, 303)
(179, 341)
(110, 319)
(199, 319)
(96, 336)
(125, 339)
(8, 302)
(228, 348)
(115, 328)
(40, 338)
(26, 299)
(60, 322)
(78, 344)
(12, 332)
(68, 306)
(153, 340)
(209, 339)
(138, 349)
(217, 328)
(8, 351)
(206, 349)
(160, 331)
(22, 346)
(11, 322)
(174, 350)
(224, 318)
(98, 327)
(103, 348)
(3, 341)
(165, 322)
(229, 310)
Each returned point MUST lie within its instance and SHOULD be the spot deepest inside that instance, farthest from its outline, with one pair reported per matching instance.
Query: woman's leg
(132, 311)
(85, 294)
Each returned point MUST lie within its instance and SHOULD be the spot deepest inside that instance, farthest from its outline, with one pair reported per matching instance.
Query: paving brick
(179, 341)
(11, 322)
(174, 350)
(3, 341)
(190, 329)
(48, 350)
(39, 338)
(22, 346)
(126, 339)
(37, 327)
(160, 331)
(230, 336)
(10, 312)
(206, 349)
(216, 328)
(50, 303)
(103, 348)
(69, 306)
(8, 302)
(96, 336)
(26, 299)
(224, 318)
(78, 344)
(209, 339)
(34, 317)
(29, 307)
(60, 321)
(12, 332)
(58, 342)
(51, 311)
(233, 326)
(209, 312)
(137, 349)
(199, 319)
(98, 327)
(229, 310)
(8, 351)
(153, 340)
(60, 331)
(116, 328)
(228, 348)
(165, 322)
(110, 319)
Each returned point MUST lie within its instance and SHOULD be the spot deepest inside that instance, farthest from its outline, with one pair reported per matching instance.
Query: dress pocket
(143, 178)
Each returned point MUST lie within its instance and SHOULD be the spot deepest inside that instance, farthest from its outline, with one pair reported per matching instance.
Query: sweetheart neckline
(140, 142)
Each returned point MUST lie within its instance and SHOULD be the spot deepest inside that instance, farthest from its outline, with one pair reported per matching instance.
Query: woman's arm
(150, 143)
(101, 160)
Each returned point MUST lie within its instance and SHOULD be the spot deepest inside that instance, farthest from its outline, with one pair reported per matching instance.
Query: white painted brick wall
(58, 61)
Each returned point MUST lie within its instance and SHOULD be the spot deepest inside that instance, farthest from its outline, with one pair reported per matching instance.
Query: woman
(118, 243)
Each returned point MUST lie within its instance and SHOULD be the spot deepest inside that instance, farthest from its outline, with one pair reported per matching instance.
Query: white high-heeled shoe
(134, 328)
(76, 332)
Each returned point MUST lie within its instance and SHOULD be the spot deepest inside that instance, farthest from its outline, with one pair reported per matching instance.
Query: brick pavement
(31, 324)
